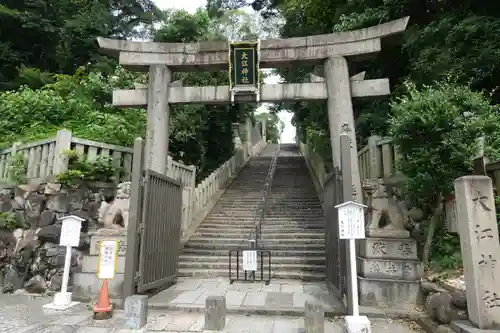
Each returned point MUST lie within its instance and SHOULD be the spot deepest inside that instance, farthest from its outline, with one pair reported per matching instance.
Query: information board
(108, 257)
(250, 260)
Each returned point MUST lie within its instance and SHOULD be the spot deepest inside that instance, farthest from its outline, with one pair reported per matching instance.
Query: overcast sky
(288, 135)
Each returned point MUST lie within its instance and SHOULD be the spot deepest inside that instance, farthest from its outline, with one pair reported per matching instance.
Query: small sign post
(106, 270)
(70, 237)
(351, 221)
(250, 260)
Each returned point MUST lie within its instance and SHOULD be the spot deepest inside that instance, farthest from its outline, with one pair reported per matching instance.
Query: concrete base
(357, 324)
(465, 326)
(389, 293)
(61, 302)
(87, 285)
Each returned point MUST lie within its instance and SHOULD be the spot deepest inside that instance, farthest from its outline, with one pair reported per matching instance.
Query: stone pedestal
(357, 324)
(86, 285)
(389, 271)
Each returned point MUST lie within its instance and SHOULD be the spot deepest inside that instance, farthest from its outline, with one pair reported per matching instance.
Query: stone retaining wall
(30, 256)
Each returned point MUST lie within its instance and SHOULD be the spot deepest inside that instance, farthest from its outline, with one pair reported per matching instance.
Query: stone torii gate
(331, 50)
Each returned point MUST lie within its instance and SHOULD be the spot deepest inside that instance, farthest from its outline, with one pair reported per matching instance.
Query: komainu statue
(385, 218)
(114, 215)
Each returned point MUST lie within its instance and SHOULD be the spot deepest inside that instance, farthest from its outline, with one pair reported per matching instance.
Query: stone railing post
(63, 143)
(374, 157)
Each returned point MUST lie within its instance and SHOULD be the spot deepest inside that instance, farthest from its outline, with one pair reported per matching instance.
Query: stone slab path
(279, 297)
(24, 314)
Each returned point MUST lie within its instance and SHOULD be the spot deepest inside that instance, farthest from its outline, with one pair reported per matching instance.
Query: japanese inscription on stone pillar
(480, 245)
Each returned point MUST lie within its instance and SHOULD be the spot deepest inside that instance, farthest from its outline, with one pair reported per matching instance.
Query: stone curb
(290, 312)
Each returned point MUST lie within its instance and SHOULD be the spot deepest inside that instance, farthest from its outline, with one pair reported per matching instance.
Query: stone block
(465, 326)
(389, 293)
(95, 242)
(388, 248)
(357, 324)
(314, 318)
(136, 312)
(87, 285)
(390, 269)
(215, 313)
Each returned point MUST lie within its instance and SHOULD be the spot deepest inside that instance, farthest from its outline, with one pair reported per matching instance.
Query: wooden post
(63, 144)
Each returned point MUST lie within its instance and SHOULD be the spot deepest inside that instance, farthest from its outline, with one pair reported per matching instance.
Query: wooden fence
(378, 160)
(45, 158)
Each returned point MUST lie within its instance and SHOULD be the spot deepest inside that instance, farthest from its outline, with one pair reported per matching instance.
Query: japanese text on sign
(108, 255)
(351, 222)
(244, 66)
(70, 231)
(250, 260)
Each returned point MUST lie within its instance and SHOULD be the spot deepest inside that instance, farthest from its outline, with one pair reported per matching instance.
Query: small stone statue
(114, 215)
(384, 214)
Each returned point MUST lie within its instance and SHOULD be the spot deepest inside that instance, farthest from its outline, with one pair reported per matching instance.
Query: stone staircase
(293, 229)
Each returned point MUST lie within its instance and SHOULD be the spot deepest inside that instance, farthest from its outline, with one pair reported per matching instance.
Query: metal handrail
(256, 232)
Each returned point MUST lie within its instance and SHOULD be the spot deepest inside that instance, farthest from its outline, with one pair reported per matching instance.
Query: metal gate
(338, 189)
(154, 229)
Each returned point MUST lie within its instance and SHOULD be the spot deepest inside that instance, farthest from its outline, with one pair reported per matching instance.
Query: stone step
(274, 266)
(269, 215)
(87, 285)
(223, 228)
(267, 241)
(388, 248)
(90, 264)
(236, 244)
(265, 234)
(95, 242)
(411, 270)
(274, 204)
(289, 275)
(309, 260)
(274, 253)
(268, 220)
(388, 293)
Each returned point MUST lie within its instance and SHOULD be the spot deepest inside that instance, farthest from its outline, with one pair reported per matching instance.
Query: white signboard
(108, 256)
(351, 220)
(70, 231)
(250, 260)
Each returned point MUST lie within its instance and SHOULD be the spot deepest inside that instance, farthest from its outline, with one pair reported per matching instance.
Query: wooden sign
(351, 220)
(70, 230)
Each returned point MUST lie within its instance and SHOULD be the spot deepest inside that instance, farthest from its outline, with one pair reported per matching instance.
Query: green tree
(435, 129)
(59, 36)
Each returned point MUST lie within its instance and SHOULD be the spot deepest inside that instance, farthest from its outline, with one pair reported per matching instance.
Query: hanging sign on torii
(244, 71)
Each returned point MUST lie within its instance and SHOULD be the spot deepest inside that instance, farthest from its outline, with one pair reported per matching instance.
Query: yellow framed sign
(108, 259)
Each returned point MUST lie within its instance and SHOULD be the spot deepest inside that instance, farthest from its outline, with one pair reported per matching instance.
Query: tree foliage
(68, 84)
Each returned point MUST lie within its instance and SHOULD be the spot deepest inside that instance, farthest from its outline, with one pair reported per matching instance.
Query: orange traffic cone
(103, 308)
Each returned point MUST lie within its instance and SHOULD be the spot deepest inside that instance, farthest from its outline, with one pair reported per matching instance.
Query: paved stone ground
(280, 296)
(24, 314)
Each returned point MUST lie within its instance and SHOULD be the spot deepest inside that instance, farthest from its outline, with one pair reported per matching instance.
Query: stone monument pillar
(478, 230)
